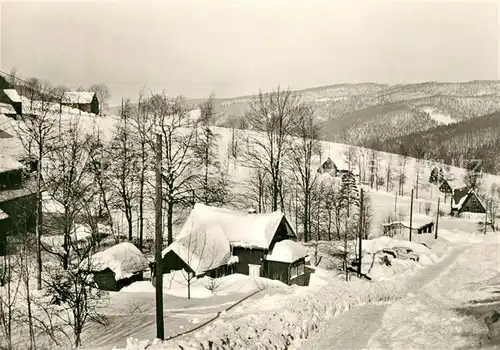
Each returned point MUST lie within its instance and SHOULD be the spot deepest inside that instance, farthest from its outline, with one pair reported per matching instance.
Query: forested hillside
(477, 138)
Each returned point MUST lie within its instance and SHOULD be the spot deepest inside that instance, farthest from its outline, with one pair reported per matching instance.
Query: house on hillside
(10, 103)
(83, 100)
(218, 242)
(466, 200)
(334, 169)
(17, 201)
(116, 267)
(420, 224)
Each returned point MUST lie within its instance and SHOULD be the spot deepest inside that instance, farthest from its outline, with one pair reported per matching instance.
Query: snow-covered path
(354, 328)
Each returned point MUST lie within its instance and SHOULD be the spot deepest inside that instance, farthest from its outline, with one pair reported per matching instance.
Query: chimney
(251, 211)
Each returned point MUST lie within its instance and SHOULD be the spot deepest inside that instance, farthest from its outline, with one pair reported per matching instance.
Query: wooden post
(437, 220)
(360, 250)
(411, 213)
(159, 242)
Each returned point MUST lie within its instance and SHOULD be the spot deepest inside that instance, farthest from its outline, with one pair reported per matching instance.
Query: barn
(83, 100)
(328, 167)
(116, 267)
(466, 200)
(217, 242)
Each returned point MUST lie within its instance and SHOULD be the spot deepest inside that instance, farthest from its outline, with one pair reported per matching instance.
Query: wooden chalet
(466, 200)
(83, 100)
(116, 267)
(218, 242)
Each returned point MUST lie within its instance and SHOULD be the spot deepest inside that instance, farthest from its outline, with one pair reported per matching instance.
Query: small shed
(83, 100)
(116, 267)
(286, 263)
(420, 224)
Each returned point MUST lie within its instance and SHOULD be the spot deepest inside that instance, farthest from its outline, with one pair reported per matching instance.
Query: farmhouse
(17, 201)
(116, 267)
(10, 103)
(420, 224)
(83, 100)
(466, 200)
(218, 242)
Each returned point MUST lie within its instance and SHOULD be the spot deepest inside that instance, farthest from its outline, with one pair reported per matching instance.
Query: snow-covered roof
(460, 196)
(6, 108)
(240, 228)
(3, 215)
(206, 237)
(287, 251)
(12, 95)
(417, 221)
(76, 97)
(124, 259)
(8, 164)
(204, 249)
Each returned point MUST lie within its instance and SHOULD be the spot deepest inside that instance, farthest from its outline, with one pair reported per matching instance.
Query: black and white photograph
(231, 174)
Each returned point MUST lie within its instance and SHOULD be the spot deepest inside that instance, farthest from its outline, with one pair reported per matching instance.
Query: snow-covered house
(217, 242)
(335, 169)
(17, 201)
(83, 100)
(116, 267)
(419, 224)
(466, 200)
(10, 103)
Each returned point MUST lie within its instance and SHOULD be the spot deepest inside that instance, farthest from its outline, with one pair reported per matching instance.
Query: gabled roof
(461, 195)
(82, 97)
(12, 95)
(328, 164)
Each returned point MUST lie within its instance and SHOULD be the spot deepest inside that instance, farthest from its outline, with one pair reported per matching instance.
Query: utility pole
(360, 249)
(411, 212)
(159, 242)
(437, 220)
(485, 220)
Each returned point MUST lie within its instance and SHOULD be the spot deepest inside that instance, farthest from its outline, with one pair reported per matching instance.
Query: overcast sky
(235, 48)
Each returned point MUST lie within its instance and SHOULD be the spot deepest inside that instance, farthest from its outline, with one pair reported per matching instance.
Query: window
(297, 270)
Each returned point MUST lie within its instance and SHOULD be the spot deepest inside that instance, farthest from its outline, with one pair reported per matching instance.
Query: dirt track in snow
(354, 328)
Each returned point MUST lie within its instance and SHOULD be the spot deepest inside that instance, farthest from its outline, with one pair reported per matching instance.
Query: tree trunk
(38, 224)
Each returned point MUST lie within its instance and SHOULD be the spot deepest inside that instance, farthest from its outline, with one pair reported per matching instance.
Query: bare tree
(374, 163)
(67, 181)
(9, 294)
(178, 174)
(272, 114)
(75, 298)
(103, 95)
(124, 169)
(303, 151)
(143, 130)
(388, 173)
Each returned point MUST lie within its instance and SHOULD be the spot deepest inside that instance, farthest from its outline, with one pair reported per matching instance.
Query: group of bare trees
(284, 155)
